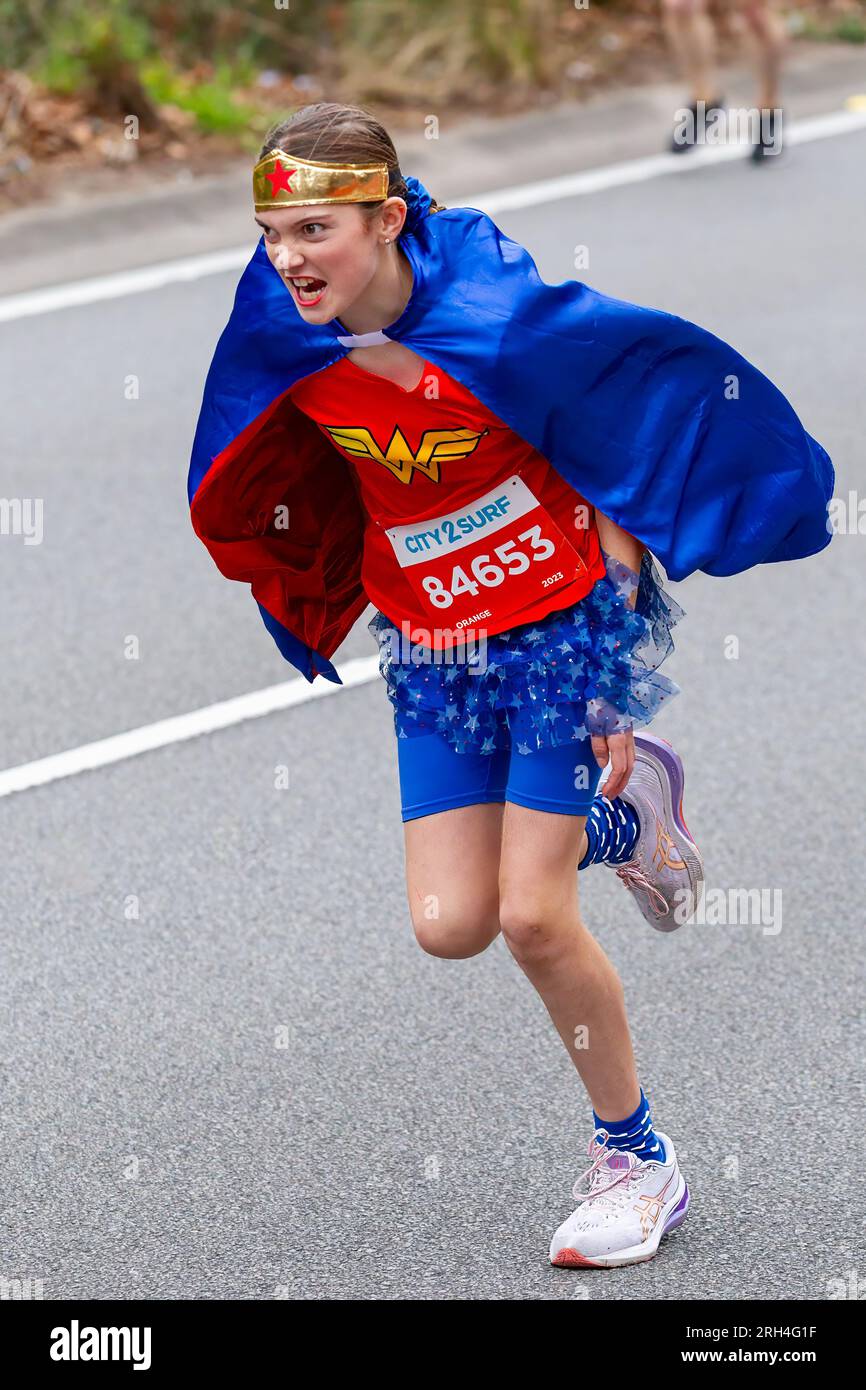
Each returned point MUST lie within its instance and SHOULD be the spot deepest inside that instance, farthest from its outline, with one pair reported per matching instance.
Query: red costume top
(465, 523)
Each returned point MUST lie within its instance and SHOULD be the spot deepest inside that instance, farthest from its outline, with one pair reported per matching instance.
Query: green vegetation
(849, 28)
(87, 46)
(211, 102)
(206, 56)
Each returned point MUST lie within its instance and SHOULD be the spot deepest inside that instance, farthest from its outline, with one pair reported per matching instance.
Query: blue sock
(612, 829)
(635, 1132)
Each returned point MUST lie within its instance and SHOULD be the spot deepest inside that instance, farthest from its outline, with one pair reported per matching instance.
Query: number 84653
(485, 573)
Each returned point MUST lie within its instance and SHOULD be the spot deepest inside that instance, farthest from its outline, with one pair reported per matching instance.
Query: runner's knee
(534, 925)
(455, 935)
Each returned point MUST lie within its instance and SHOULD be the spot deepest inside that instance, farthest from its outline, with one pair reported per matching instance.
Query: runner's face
(335, 245)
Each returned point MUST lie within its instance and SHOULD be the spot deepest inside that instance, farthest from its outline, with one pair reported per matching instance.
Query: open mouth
(306, 289)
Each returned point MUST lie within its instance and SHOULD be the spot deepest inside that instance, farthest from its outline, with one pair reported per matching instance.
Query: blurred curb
(88, 232)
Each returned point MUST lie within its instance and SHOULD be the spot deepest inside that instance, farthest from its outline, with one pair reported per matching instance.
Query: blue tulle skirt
(591, 668)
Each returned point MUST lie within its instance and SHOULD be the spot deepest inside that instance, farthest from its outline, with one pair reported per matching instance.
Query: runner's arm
(620, 544)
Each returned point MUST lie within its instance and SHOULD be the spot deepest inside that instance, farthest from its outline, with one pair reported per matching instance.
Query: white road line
(149, 277)
(181, 727)
(658, 165)
(46, 301)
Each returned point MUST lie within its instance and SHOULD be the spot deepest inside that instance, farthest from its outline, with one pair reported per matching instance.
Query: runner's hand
(619, 750)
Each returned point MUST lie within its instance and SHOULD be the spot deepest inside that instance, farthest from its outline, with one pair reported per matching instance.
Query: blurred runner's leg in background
(769, 40)
(692, 38)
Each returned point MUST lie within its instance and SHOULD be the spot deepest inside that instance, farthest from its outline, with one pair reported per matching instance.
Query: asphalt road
(260, 1086)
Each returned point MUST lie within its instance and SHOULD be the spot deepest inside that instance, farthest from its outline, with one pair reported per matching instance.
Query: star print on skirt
(587, 669)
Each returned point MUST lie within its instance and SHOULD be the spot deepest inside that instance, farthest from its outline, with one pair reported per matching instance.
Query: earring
(387, 241)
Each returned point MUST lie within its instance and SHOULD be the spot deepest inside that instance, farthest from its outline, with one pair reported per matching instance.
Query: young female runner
(520, 627)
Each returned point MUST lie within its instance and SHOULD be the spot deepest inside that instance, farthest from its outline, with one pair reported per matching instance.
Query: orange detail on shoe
(572, 1259)
(664, 846)
(649, 1214)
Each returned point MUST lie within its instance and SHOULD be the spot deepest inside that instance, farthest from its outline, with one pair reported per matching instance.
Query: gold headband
(283, 180)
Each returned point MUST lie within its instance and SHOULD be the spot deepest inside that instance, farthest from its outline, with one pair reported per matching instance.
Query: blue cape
(659, 424)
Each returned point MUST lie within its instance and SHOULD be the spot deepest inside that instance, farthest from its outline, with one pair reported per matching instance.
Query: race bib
(486, 561)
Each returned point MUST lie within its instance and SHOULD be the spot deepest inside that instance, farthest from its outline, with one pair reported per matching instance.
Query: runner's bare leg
(540, 918)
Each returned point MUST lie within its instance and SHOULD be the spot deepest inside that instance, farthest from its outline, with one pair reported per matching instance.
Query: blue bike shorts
(435, 777)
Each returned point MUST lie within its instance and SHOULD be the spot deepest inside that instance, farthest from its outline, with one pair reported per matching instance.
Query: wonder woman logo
(436, 447)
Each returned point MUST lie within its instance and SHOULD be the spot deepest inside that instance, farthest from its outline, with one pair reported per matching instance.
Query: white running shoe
(626, 1206)
(666, 871)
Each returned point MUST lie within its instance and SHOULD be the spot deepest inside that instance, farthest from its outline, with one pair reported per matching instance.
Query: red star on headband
(280, 179)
